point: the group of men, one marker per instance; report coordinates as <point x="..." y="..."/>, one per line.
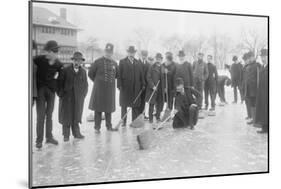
<point x="146" y="82"/>
<point x="251" y="79"/>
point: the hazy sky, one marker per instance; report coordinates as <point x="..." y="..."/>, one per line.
<point x="117" y="25"/>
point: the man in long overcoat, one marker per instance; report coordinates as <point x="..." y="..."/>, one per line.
<point x="170" y="71"/>
<point x="251" y="73"/>
<point x="262" y="94"/>
<point x="73" y="88"/>
<point x="130" y="83"/>
<point x="210" y="88"/>
<point x="155" y="74"/>
<point x="145" y="64"/>
<point x="200" y="73"/>
<point x="103" y="73"/>
<point x="184" y="70"/>
<point x="236" y="70"/>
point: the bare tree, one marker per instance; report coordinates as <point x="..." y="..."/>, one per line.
<point x="173" y="43"/>
<point x="221" y="46"/>
<point x="142" y="37"/>
<point x="194" y="45"/>
<point x="253" y="40"/>
<point x="92" y="46"/>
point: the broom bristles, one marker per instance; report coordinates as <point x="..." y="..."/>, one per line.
<point x="138" y="122"/>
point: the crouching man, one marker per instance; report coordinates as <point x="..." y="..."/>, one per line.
<point x="186" y="107"/>
<point x="73" y="87"/>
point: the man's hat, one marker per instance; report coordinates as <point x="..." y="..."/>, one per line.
<point x="144" y="53"/>
<point x="245" y="56"/>
<point x="264" y="52"/>
<point x="109" y="48"/>
<point x="131" y="49"/>
<point x="77" y="55"/>
<point x="234" y="58"/>
<point x="179" y="81"/>
<point x="51" y="46"/>
<point x="181" y="53"/>
<point x="251" y="53"/>
<point x="168" y="54"/>
<point x="158" y="55"/>
<point x="150" y="59"/>
<point x="200" y="54"/>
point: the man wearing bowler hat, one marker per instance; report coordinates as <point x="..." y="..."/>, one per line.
<point x="73" y="88"/>
<point x="103" y="73"/>
<point x="130" y="83"/>
<point x="262" y="94"/>
<point x="184" y="70"/>
<point x="48" y="69"/>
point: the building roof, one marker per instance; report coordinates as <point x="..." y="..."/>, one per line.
<point x="42" y="16"/>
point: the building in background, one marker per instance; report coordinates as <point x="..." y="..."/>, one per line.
<point x="49" y="26"/>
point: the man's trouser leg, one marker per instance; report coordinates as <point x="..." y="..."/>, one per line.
<point x="235" y="93"/>
<point x="123" y="112"/>
<point x="142" y="102"/>
<point x="108" y="120"/>
<point x="135" y="112"/>
<point x="193" y="115"/>
<point x="150" y="112"/>
<point x="97" y="120"/>
<point x="50" y="99"/>
<point x="213" y="94"/>
<point x="40" y="109"/>
<point x="177" y="122"/>
<point x="248" y="108"/>
<point x="199" y="85"/>
<point x="159" y="108"/>
<point x="66" y="130"/>
<point x="206" y="94"/>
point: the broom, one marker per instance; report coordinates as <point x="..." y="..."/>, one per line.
<point x="139" y="121"/>
<point x="130" y="109"/>
<point x="147" y="137"/>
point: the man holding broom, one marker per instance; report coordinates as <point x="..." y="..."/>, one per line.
<point x="186" y="105"/>
<point x="130" y="83"/>
<point x="155" y="88"/>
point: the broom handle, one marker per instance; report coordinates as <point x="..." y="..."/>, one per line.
<point x="133" y="103"/>
<point x="159" y="126"/>
<point x="166" y="75"/>
<point x="153" y="92"/>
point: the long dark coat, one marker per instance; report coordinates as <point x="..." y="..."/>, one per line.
<point x="262" y="97"/>
<point x="236" y="70"/>
<point x="130" y="82"/>
<point x="170" y="79"/>
<point x="103" y="73"/>
<point x="155" y="73"/>
<point x="185" y="72"/>
<point x="73" y="88"/>
<point x="183" y="102"/>
<point x="251" y="71"/>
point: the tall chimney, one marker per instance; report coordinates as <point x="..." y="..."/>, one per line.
<point x="63" y="13"/>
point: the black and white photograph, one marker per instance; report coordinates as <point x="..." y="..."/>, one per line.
<point x="124" y="94"/>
